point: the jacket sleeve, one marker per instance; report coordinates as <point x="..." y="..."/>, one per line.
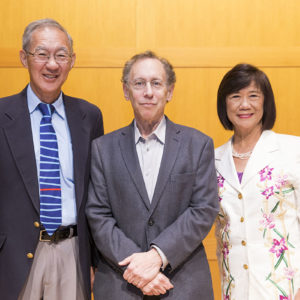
<point x="113" y="244"/>
<point x="186" y="233"/>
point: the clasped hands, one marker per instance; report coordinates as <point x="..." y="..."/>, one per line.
<point x="143" y="271"/>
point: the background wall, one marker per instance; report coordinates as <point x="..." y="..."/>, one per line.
<point x="201" y="38"/>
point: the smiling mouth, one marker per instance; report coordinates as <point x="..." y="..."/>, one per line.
<point x="49" y="76"/>
<point x="246" y="116"/>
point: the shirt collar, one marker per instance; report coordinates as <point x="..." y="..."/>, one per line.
<point x="33" y="101"/>
<point x="159" y="132"/>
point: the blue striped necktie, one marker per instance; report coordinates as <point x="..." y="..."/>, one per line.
<point x="50" y="188"/>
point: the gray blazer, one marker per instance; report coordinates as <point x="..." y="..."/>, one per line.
<point x="181" y="213"/>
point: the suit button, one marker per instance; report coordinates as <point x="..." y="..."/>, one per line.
<point x="36" y="224"/>
<point x="29" y="255"/>
<point x="150" y="222"/>
<point x="242" y="219"/>
<point x="243" y="243"/>
<point x="240" y="196"/>
<point x="245" y="266"/>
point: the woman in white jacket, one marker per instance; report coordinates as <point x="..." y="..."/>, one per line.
<point x="258" y="170"/>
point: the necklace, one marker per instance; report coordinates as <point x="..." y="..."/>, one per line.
<point x="245" y="155"/>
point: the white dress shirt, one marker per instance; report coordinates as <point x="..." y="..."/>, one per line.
<point x="150" y="151"/>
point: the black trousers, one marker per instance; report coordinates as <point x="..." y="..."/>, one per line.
<point x="151" y="298"/>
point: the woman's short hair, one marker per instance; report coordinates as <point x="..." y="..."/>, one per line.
<point x="240" y="77"/>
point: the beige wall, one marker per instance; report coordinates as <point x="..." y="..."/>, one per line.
<point x="202" y="38"/>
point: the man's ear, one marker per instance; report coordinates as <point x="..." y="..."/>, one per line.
<point x="23" y="58"/>
<point x="170" y="92"/>
<point x="126" y="91"/>
<point x="73" y="58"/>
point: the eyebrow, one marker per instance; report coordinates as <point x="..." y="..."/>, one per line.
<point x="251" y="91"/>
<point x="141" y="78"/>
<point x="59" y="49"/>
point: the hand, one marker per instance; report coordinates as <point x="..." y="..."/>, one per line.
<point x="158" y="286"/>
<point x="142" y="267"/>
<point x="297" y="297"/>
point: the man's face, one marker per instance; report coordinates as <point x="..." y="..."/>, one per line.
<point x="147" y="90"/>
<point x="47" y="78"/>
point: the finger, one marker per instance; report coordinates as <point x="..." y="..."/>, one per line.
<point x="155" y="292"/>
<point x="168" y="285"/>
<point x="145" y="291"/>
<point x="160" y="289"/>
<point x="125" y="261"/>
<point x="140" y="284"/>
<point x="164" y="281"/>
<point x="127" y="275"/>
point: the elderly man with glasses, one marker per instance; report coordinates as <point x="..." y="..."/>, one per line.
<point x="153" y="196"/>
<point x="44" y="160"/>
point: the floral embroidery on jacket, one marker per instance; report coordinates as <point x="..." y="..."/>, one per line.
<point x="224" y="245"/>
<point x="275" y="196"/>
<point x="274" y="229"/>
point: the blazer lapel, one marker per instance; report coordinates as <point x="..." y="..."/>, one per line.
<point x="17" y="128"/>
<point x="170" y="153"/>
<point x="263" y="154"/>
<point x="129" y="154"/>
<point x="225" y="165"/>
<point x="80" y="145"/>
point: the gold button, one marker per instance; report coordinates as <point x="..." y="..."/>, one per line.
<point x="36" y="224"/>
<point x="240" y="196"/>
<point x="242" y="219"/>
<point x="29" y="255"/>
<point x="245" y="266"/>
<point x="243" y="243"/>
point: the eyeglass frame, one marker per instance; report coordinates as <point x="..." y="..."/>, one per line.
<point x="36" y="58"/>
<point x="143" y="87"/>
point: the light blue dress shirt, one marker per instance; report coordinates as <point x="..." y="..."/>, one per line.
<point x="60" y="125"/>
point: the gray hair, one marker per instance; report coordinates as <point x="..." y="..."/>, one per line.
<point x="171" y="76"/>
<point x="35" y="25"/>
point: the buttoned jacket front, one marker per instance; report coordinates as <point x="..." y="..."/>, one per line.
<point x="258" y="225"/>
<point x="19" y="186"/>
<point x="182" y="210"/>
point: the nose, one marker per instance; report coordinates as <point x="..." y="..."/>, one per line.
<point x="148" y="90"/>
<point x="245" y="102"/>
<point x="51" y="63"/>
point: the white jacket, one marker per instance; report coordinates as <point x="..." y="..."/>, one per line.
<point x="258" y="230"/>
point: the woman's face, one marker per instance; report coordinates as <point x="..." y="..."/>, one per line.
<point x="245" y="109"/>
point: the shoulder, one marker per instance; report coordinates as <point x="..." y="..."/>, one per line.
<point x="286" y="138"/>
<point x="114" y="136"/>
<point x="221" y="149"/>
<point x="81" y="104"/>
<point x="289" y="144"/>
<point x="189" y="133"/>
<point x="12" y="99"/>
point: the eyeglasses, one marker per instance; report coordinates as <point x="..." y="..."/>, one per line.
<point x="141" y="84"/>
<point x="42" y="56"/>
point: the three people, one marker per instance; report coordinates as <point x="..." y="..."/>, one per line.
<point x="153" y="196"/>
<point x="45" y="160"/>
<point x="258" y="173"/>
